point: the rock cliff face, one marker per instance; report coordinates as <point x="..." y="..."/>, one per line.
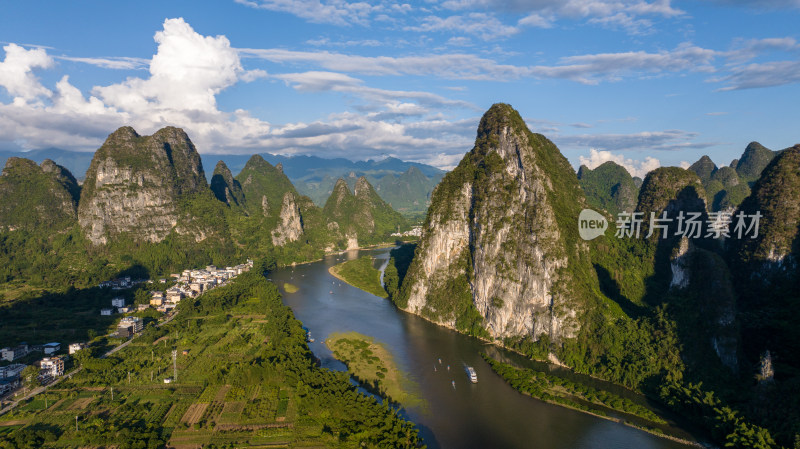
<point x="34" y="197"/>
<point x="134" y="183"/>
<point x="499" y="247"/>
<point x="225" y="188"/>
<point x="290" y="224"/>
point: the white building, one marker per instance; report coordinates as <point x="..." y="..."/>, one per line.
<point x="52" y="366"/>
<point x="133" y="321"/>
<point x="75" y="347"/>
<point x="106" y="312"/>
<point x="119" y="301"/>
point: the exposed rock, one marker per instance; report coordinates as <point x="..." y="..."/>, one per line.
<point x="134" y="183"/>
<point x="494" y="248"/>
<point x="290" y="223"/>
<point x="680" y="266"/>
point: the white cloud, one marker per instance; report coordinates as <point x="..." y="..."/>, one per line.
<point x="315" y="81"/>
<point x="614" y="14"/>
<point x="669" y="140"/>
<point x="634" y="167"/>
<point x="451" y="65"/>
<point x="593" y="68"/>
<point x="480" y="24"/>
<point x="185" y="74"/>
<point x="111" y="63"/>
<point x="759" y="75"/>
<point x="587" y="69"/>
<point x="337" y="12"/>
<point x="16" y="72"/>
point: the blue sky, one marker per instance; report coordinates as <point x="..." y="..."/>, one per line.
<point x="645" y="83"/>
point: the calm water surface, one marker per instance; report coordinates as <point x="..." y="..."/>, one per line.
<point x="489" y="414"/>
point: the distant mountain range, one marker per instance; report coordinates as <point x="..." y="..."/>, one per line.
<point x="406" y="186"/>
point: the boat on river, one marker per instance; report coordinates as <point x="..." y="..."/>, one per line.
<point x="473" y="377"/>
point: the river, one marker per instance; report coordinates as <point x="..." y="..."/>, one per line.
<point x="489" y="414"/>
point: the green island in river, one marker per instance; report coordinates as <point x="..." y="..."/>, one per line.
<point x="373" y="365"/>
<point x="360" y="274"/>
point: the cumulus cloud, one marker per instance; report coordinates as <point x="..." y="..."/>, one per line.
<point x="635" y="167"/>
<point x="186" y="74"/>
<point x="17" y="72"/>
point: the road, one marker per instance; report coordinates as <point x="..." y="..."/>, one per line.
<point x="41" y="389"/>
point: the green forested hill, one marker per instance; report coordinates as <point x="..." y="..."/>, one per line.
<point x="245" y="377"/>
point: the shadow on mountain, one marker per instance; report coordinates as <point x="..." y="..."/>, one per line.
<point x="611" y="289"/>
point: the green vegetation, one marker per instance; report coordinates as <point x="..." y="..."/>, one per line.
<point x="753" y="161"/>
<point x="360" y="274"/>
<point x="373" y="365"/>
<point x="550" y="388"/>
<point x="246" y="378"/>
<point x="609" y="187"/>
<point x="362" y="214"/>
<point x="36" y="197"/>
<point x="395" y="272"/>
<point x="290" y="288"/>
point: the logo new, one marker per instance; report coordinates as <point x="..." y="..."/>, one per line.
<point x="591" y="224"/>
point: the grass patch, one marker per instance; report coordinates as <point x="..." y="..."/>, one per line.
<point x="290" y="288"/>
<point x="372" y="364"/>
<point x="360" y="274"/>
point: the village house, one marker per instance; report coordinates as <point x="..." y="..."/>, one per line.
<point x="141" y="307"/>
<point x="51" y="367"/>
<point x="50" y="348"/>
<point x="75" y="347"/>
<point x="12" y="371"/>
<point x="124" y="309"/>
<point x="119" y="301"/>
<point x="129" y="325"/>
<point x="157" y="299"/>
<point x="106" y="312"/>
<point x="15" y="353"/>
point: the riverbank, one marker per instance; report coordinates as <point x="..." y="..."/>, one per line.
<point x="372" y="364"/>
<point x="565" y="393"/>
<point x="360" y="274"/>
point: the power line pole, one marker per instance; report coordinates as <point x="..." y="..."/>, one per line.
<point x="175" y="364"/>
